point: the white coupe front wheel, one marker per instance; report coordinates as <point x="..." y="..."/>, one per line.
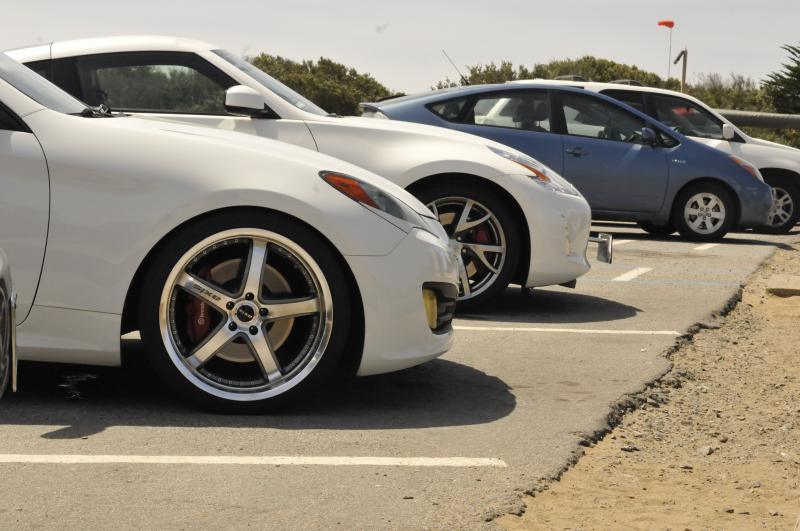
<point x="244" y="317"/>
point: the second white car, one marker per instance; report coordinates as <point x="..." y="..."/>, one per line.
<point x="512" y="220"/>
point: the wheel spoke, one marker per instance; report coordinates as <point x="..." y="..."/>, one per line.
<point x="265" y="356"/>
<point x="202" y="290"/>
<point x="464" y="277"/>
<point x="289" y="308"/>
<point x="255" y="267"/>
<point x="481" y="250"/>
<point x="210" y="348"/>
<point x="716" y="215"/>
<point x="462" y="220"/>
<point x="434" y="209"/>
<point x="467" y="225"/>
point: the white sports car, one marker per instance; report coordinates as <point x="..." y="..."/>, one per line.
<point x="513" y="220"/>
<point x="253" y="269"/>
<point x="8" y="359"/>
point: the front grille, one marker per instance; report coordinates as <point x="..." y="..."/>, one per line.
<point x="446" y="298"/>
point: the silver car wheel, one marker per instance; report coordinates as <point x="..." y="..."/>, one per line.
<point x="476" y="233"/>
<point x="246" y="314"/>
<point x="782" y="207"/>
<point x="704" y="213"/>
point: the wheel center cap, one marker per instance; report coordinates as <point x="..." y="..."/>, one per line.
<point x="245" y="313"/>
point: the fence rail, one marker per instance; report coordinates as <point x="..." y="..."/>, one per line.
<point x="762" y="119"/>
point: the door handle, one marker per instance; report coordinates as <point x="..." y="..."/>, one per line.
<point x="577" y="152"/>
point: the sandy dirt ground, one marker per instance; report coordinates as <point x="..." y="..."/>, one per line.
<point x="714" y="445"/>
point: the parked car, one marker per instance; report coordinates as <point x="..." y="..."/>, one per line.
<point x="255" y="270"/>
<point x="512" y="220"/>
<point x="8" y="358"/>
<point x="779" y="164"/>
<point x="628" y="166"/>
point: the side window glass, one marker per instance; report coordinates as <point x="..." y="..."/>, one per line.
<point x="686" y="117"/>
<point x="141" y="83"/>
<point x="449" y="110"/>
<point x="9" y="122"/>
<point x="529" y="111"/>
<point x="596" y="118"/>
<point x="40" y="67"/>
<point x="631" y="97"/>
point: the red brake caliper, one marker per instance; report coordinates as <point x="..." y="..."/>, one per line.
<point x="198" y="322"/>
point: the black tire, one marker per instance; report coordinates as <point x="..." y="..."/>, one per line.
<point x="174" y="249"/>
<point x="787" y="193"/>
<point x="657" y="230"/>
<point x="725" y="206"/>
<point x="5" y="340"/>
<point x="487" y="199"/>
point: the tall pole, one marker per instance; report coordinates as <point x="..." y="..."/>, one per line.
<point x="669" y="55"/>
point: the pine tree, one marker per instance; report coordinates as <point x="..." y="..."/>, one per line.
<point x="784" y="85"/>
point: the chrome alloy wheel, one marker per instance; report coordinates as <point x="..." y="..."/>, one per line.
<point x="782" y="207"/>
<point x="246" y="314"/>
<point x="704" y="213"/>
<point x="476" y="234"/>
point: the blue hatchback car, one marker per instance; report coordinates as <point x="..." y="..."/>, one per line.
<point x="627" y="165"/>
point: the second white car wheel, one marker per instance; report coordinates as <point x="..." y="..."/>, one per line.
<point x="484" y="232"/>
<point x="238" y="311"/>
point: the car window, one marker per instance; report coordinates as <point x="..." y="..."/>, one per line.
<point x="449" y="110"/>
<point x="9" y="122"/>
<point x="632" y="97"/>
<point x="686" y="117"/>
<point x="40" y="90"/>
<point x="40" y="67"/>
<point x="597" y="118"/>
<point x="529" y="111"/>
<point x="156" y="82"/>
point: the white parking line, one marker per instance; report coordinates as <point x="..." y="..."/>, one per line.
<point x="460" y="462"/>
<point x="630" y="275"/>
<point x="705" y="246"/>
<point x="621" y="242"/>
<point x="568" y="330"/>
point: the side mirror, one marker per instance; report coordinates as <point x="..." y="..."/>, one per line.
<point x="728" y="132"/>
<point x="244" y="101"/>
<point x="649" y="137"/>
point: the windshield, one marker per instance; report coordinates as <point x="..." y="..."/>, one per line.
<point x="271" y="83"/>
<point x="37" y="88"/>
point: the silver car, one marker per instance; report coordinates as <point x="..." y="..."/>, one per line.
<point x="8" y="358"/>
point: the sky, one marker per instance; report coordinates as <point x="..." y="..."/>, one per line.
<point x="400" y="43"/>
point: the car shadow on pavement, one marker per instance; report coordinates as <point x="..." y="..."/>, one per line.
<point x="84" y="401"/>
<point x="550" y="306"/>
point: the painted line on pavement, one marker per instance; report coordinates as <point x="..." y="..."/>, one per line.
<point x="708" y="283"/>
<point x="630" y="275"/>
<point x="567" y="330"/>
<point x="459" y="462"/>
<point x="706" y="246"/>
<point x="621" y="242"/>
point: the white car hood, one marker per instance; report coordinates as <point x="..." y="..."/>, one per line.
<point x="315" y="160"/>
<point x="767" y="143"/>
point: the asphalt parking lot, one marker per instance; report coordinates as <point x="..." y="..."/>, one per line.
<point x="448" y="444"/>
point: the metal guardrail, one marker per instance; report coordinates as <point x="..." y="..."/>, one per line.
<point x="762" y="119"/>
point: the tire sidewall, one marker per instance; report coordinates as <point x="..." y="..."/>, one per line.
<point x="728" y="200"/>
<point x="178" y="243"/>
<point x="490" y="200"/>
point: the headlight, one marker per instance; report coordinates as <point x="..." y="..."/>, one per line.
<point x="377" y="200"/>
<point x="539" y="172"/>
<point x="752" y="170"/>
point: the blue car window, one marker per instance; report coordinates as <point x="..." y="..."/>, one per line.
<point x="449" y="110"/>
<point x="529" y="111"/>
<point x="596" y="118"/>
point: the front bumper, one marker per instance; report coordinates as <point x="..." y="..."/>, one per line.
<point x="755" y="203"/>
<point x="396" y="330"/>
<point x="559" y="230"/>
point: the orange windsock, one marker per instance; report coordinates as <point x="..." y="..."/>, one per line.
<point x="668" y="23"/>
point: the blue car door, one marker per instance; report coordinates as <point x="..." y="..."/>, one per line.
<point x="517" y="118"/>
<point x="606" y="159"/>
